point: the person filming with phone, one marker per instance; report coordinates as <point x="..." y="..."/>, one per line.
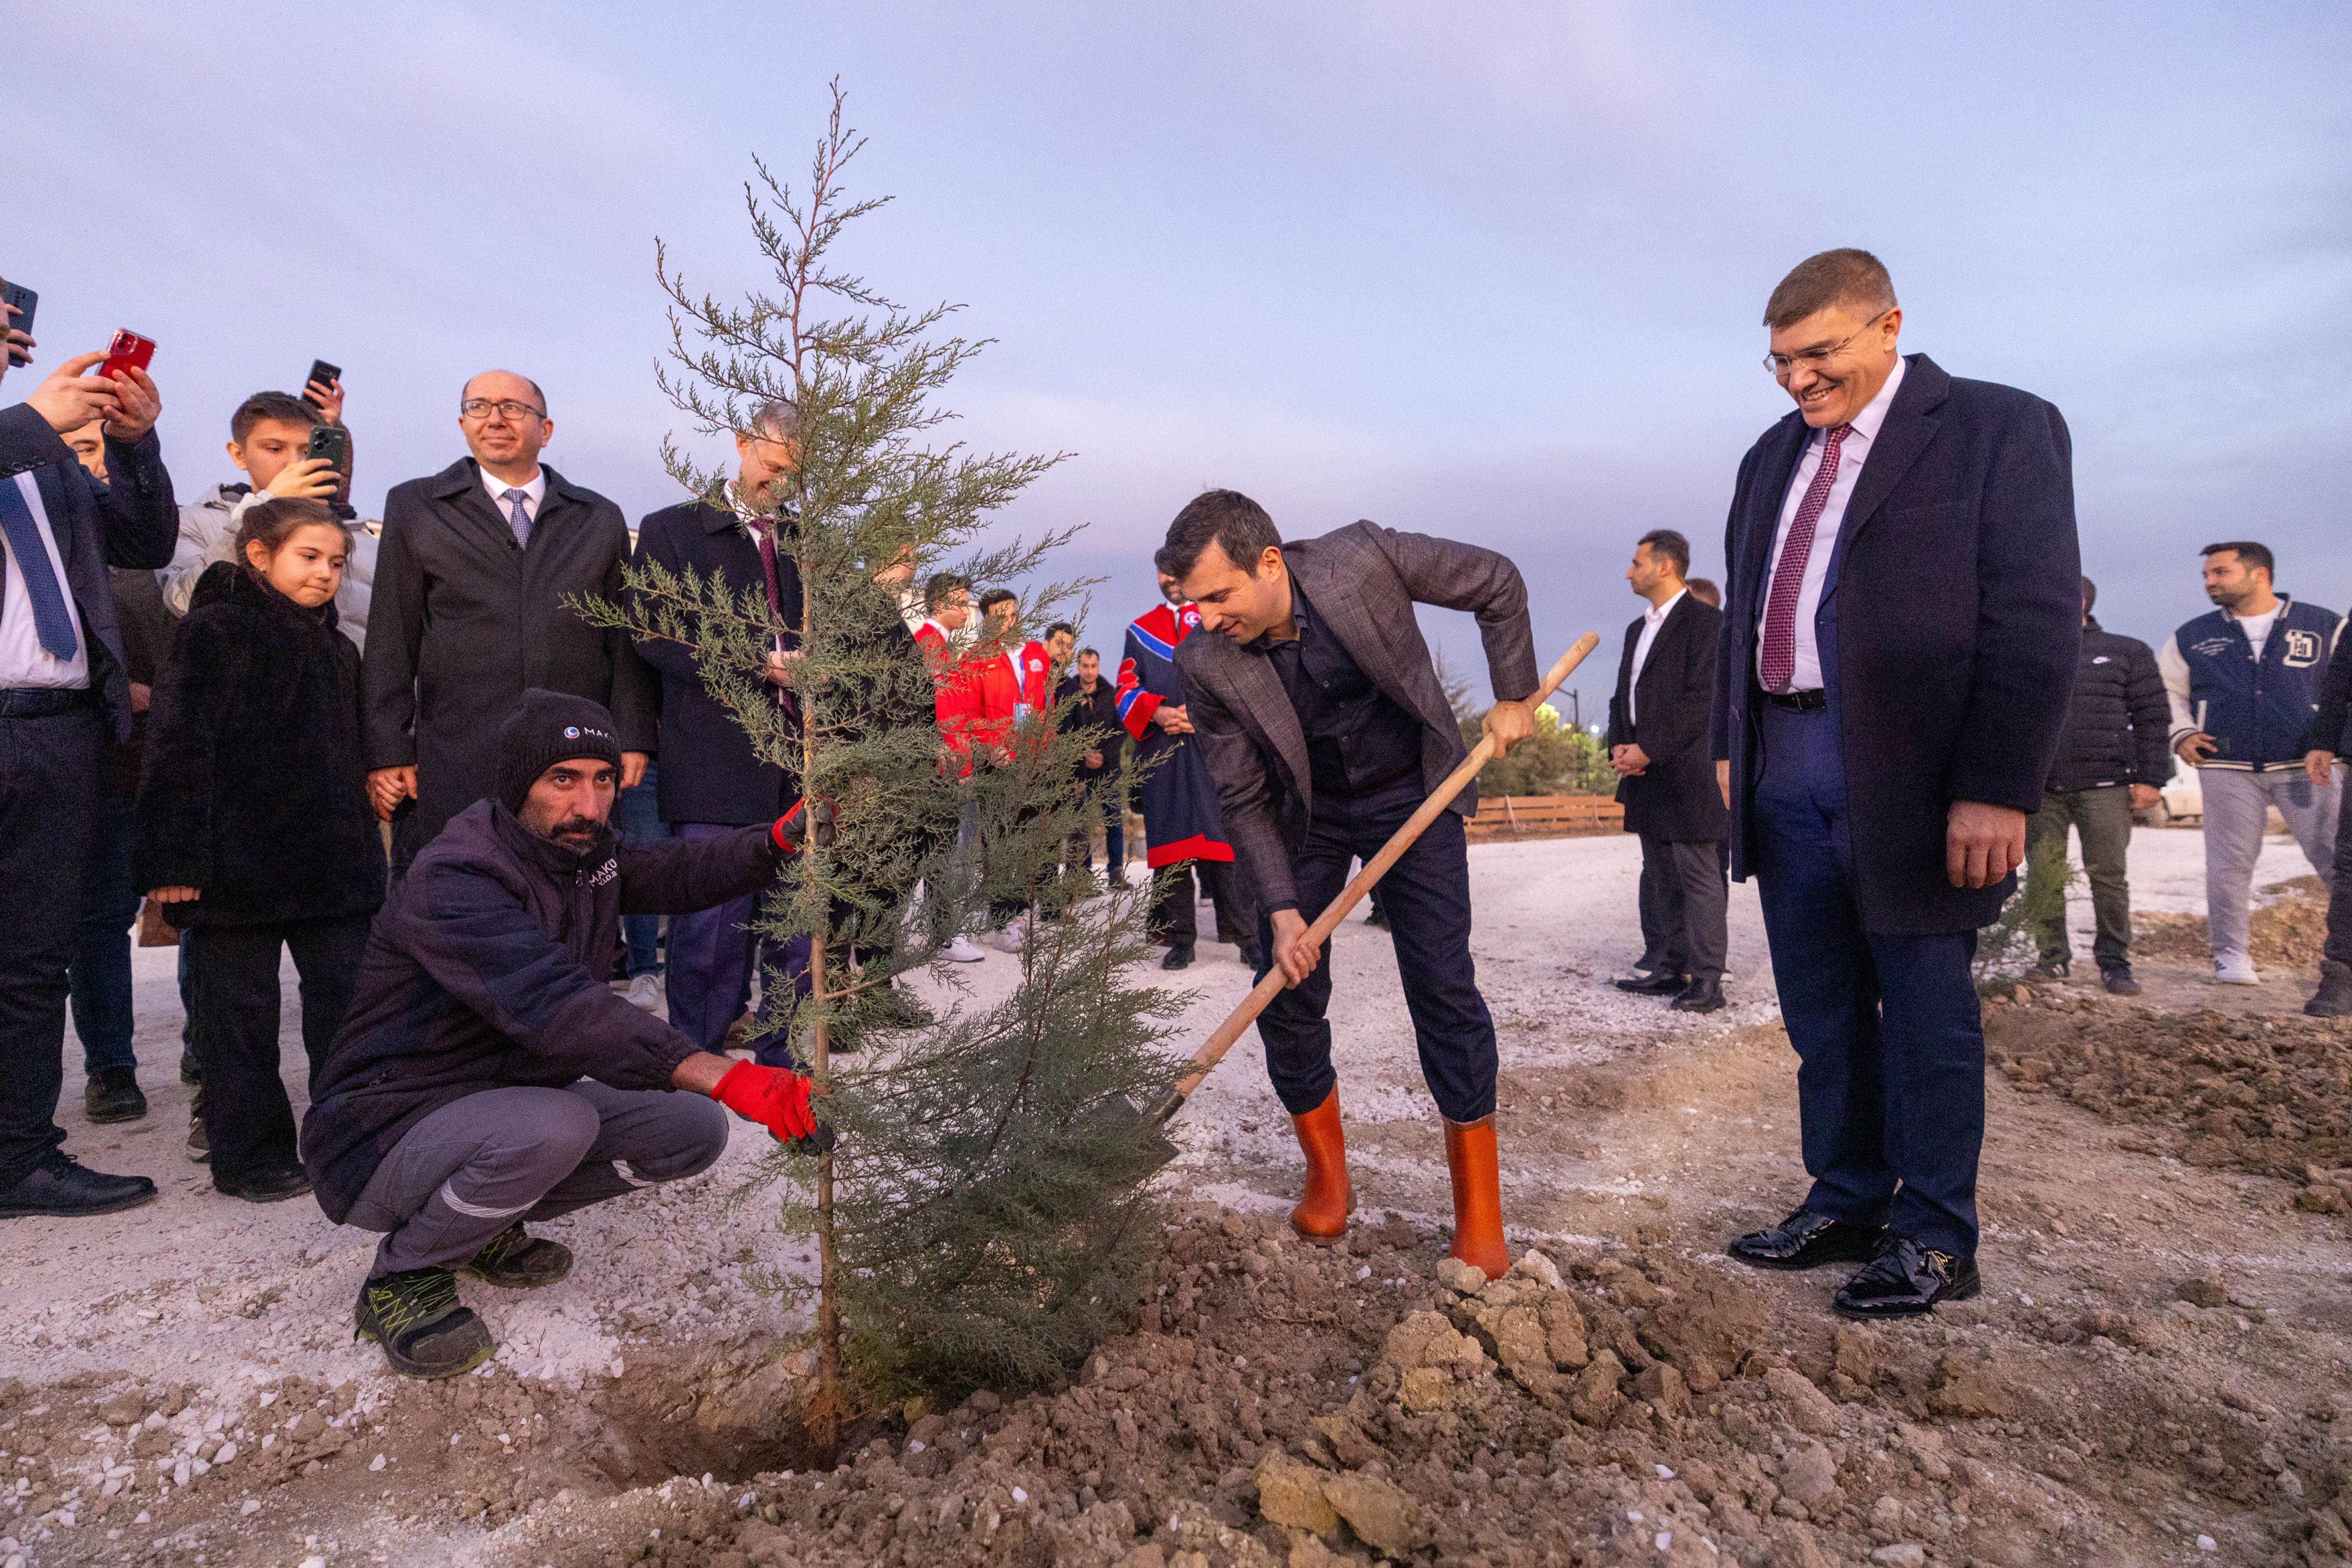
<point x="65" y="701"/>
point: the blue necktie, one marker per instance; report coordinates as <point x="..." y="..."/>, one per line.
<point x="518" y="518"/>
<point x="51" y="617"/>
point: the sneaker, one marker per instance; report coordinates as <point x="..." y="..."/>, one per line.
<point x="270" y="1184"/>
<point x="2048" y="971"/>
<point x="200" y="1143"/>
<point x="518" y="1260"/>
<point x="2117" y="978"/>
<point x="962" y="951"/>
<point x="112" y="1095"/>
<point x="645" y="991"/>
<point x="416" y="1316"/>
<point x="1004" y="939"/>
<point x="2235" y="969"/>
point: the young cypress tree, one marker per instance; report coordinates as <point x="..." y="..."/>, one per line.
<point x="983" y="1216"/>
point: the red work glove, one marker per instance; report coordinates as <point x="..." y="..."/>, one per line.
<point x="776" y="1099"/>
<point x="792" y="829"/>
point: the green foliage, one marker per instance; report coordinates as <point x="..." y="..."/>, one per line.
<point x="1557" y="759"/>
<point x="983" y="1218"/>
<point x="2012" y="944"/>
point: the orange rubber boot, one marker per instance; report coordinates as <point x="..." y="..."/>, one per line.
<point x="1477" y="1197"/>
<point x="1321" y="1215"/>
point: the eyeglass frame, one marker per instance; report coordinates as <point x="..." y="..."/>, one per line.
<point x="1821" y="356"/>
<point x="505" y="405"/>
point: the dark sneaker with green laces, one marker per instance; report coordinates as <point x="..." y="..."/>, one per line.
<point x="520" y="1262"/>
<point x="414" y="1315"/>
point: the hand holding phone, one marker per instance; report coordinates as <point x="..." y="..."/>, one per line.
<point x="332" y="444"/>
<point x="17" y="322"/>
<point x="128" y="352"/>
<point x="323" y="390"/>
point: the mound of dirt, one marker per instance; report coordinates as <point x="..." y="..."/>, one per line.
<point x="2287" y="932"/>
<point x="2269" y="1095"/>
<point x="1286" y="1404"/>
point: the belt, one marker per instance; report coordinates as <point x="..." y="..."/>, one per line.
<point x="42" y="702"/>
<point x="1813" y="701"/>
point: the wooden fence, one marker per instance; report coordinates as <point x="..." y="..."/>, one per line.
<point x="1545" y="817"/>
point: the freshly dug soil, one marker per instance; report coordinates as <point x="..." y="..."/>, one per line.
<point x="2287" y="932"/>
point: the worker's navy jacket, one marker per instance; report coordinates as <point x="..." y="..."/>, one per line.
<point x="2259" y="713"/>
<point x="490" y="967"/>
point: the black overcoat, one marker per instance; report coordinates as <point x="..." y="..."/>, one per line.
<point x="1675" y="798"/>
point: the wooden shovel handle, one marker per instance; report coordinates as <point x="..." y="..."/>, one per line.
<point x="1220" y="1040"/>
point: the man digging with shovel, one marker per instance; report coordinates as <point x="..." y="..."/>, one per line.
<point x="1319" y="713"/>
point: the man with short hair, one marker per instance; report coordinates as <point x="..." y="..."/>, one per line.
<point x="64" y="702"/>
<point x="472" y="574"/>
<point x="1657" y="745"/>
<point x="1901" y="630"/>
<point x="942" y="637"/>
<point x="1061" y="644"/>
<point x="1011" y="680"/>
<point x="2112" y="757"/>
<point x="487" y="1074"/>
<point x="1094" y="713"/>
<point x="1324" y="722"/>
<point x="2243" y="684"/>
<point x="1704" y="590"/>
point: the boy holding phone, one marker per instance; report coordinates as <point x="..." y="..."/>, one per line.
<point x="270" y="442"/>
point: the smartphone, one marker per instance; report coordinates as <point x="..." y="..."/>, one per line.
<point x="128" y="351"/>
<point x="331" y="442"/>
<point x="325" y="374"/>
<point x="23" y="299"/>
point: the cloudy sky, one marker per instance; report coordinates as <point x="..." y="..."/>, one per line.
<point x="1492" y="272"/>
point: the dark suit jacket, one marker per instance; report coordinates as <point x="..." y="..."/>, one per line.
<point x="464" y="621"/>
<point x="1948" y="628"/>
<point x="131" y="522"/>
<point x="1675" y="798"/>
<point x="1364" y="581"/>
<point x="710" y="773"/>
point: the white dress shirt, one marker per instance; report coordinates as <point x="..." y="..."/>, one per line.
<point x="533" y="492"/>
<point x="1652" y="619"/>
<point x="23" y="661"/>
<point x="1805" y="674"/>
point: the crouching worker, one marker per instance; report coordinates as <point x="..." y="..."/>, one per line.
<point x="487" y="1074"/>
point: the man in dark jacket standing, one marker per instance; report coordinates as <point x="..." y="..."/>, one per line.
<point x="64" y="702"/>
<point x="487" y="1073"/>
<point x="1096" y="714"/>
<point x="2112" y="759"/>
<point x="1889" y="691"/>
<point x="470" y="579"/>
<point x="1657" y="744"/>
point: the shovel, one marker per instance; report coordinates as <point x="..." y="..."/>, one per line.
<point x="1213" y="1049"/>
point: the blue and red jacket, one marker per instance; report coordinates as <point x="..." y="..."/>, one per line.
<point x="1180" y="798"/>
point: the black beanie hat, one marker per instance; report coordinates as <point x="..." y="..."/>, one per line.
<point x="545" y="728"/>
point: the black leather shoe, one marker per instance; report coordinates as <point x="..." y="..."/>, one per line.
<point x="1807" y="1239"/>
<point x="1665" y="983"/>
<point x="1905" y="1281"/>
<point x="1700" y="997"/>
<point x="2117" y="978"/>
<point x="270" y="1184"/>
<point x="2334" y="998"/>
<point x="190" y="1072"/>
<point x="1178" y="957"/>
<point x="112" y="1096"/>
<point x="58" y="1188"/>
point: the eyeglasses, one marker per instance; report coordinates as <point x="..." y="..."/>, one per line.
<point x="480" y="407"/>
<point x="1783" y="366"/>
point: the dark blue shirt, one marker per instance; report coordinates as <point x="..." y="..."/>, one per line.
<point x="1360" y="742"/>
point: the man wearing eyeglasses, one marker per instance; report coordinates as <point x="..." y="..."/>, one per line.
<point x="1890" y="689"/>
<point x="472" y="573"/>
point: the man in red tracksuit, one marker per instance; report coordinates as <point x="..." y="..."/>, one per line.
<point x="1009" y="683"/>
<point x="956" y="703"/>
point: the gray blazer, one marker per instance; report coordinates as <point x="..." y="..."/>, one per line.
<point x="1364" y="581"/>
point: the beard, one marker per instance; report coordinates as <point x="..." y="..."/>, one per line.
<point x="573" y="833"/>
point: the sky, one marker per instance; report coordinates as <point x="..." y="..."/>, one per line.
<point x="1494" y="273"/>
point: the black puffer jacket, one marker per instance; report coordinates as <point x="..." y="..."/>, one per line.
<point x="253" y="789"/>
<point x="2116" y="728"/>
<point x="488" y="968"/>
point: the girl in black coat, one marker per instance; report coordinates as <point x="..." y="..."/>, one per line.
<point x="255" y="830"/>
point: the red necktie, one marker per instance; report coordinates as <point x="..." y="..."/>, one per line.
<point x="1779" y="660"/>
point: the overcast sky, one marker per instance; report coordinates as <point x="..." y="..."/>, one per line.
<point x="1493" y="272"/>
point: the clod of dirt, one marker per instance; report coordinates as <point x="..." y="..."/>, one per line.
<point x="1807" y="1474"/>
<point x="2204" y="1290"/>
<point x="1806" y="1408"/>
<point x="1291" y="1494"/>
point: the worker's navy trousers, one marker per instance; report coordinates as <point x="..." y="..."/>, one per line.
<point x="1890" y="1044"/>
<point x="1427" y="898"/>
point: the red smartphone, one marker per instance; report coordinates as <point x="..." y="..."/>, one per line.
<point x="128" y="351"/>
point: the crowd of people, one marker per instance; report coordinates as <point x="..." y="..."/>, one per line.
<point x="515" y="857"/>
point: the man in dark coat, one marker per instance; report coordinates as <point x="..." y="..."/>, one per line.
<point x="65" y="701"/>
<point x="487" y="1074"/>
<point x="1657" y="744"/>
<point x="1096" y="715"/>
<point x="2112" y="760"/>
<point x="1890" y="686"/>
<point x="471" y="576"/>
<point x="1319" y="712"/>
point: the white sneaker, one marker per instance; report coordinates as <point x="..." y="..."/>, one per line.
<point x="645" y="991"/>
<point x="962" y="951"/>
<point x="2235" y="969"/>
<point x="1004" y="938"/>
